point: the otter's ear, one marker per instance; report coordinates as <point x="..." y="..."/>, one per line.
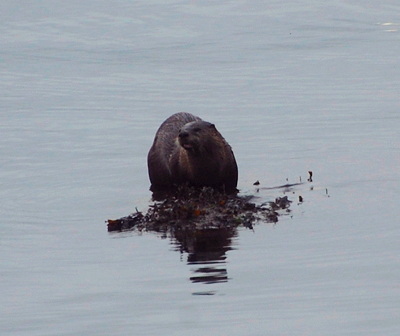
<point x="212" y="126"/>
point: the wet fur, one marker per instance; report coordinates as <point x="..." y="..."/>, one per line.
<point x="188" y="150"/>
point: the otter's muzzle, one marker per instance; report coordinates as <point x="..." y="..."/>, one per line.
<point x="184" y="140"/>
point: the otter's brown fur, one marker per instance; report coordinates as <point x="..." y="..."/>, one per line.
<point x="188" y="150"/>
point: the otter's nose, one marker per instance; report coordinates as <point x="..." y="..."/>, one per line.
<point x="183" y="134"/>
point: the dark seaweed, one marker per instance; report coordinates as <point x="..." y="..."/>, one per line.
<point x="193" y="209"/>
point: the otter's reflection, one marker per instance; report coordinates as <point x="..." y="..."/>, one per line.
<point x="206" y="249"/>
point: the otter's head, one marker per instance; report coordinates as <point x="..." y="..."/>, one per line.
<point x="194" y="136"/>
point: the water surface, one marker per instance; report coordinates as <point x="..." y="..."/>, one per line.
<point x="293" y="88"/>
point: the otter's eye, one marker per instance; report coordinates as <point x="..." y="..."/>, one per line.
<point x="197" y="129"/>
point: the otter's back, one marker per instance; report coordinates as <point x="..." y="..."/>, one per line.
<point x="163" y="145"/>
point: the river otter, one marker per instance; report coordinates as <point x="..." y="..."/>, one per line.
<point x="188" y="150"/>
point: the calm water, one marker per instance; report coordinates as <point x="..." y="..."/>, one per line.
<point x="293" y="87"/>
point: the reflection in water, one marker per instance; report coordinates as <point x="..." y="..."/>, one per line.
<point x="202" y="223"/>
<point x="206" y="249"/>
<point x="210" y="275"/>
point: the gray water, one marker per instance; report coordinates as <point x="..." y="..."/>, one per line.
<point x="293" y="87"/>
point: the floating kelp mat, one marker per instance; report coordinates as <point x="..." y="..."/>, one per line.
<point x="191" y="208"/>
